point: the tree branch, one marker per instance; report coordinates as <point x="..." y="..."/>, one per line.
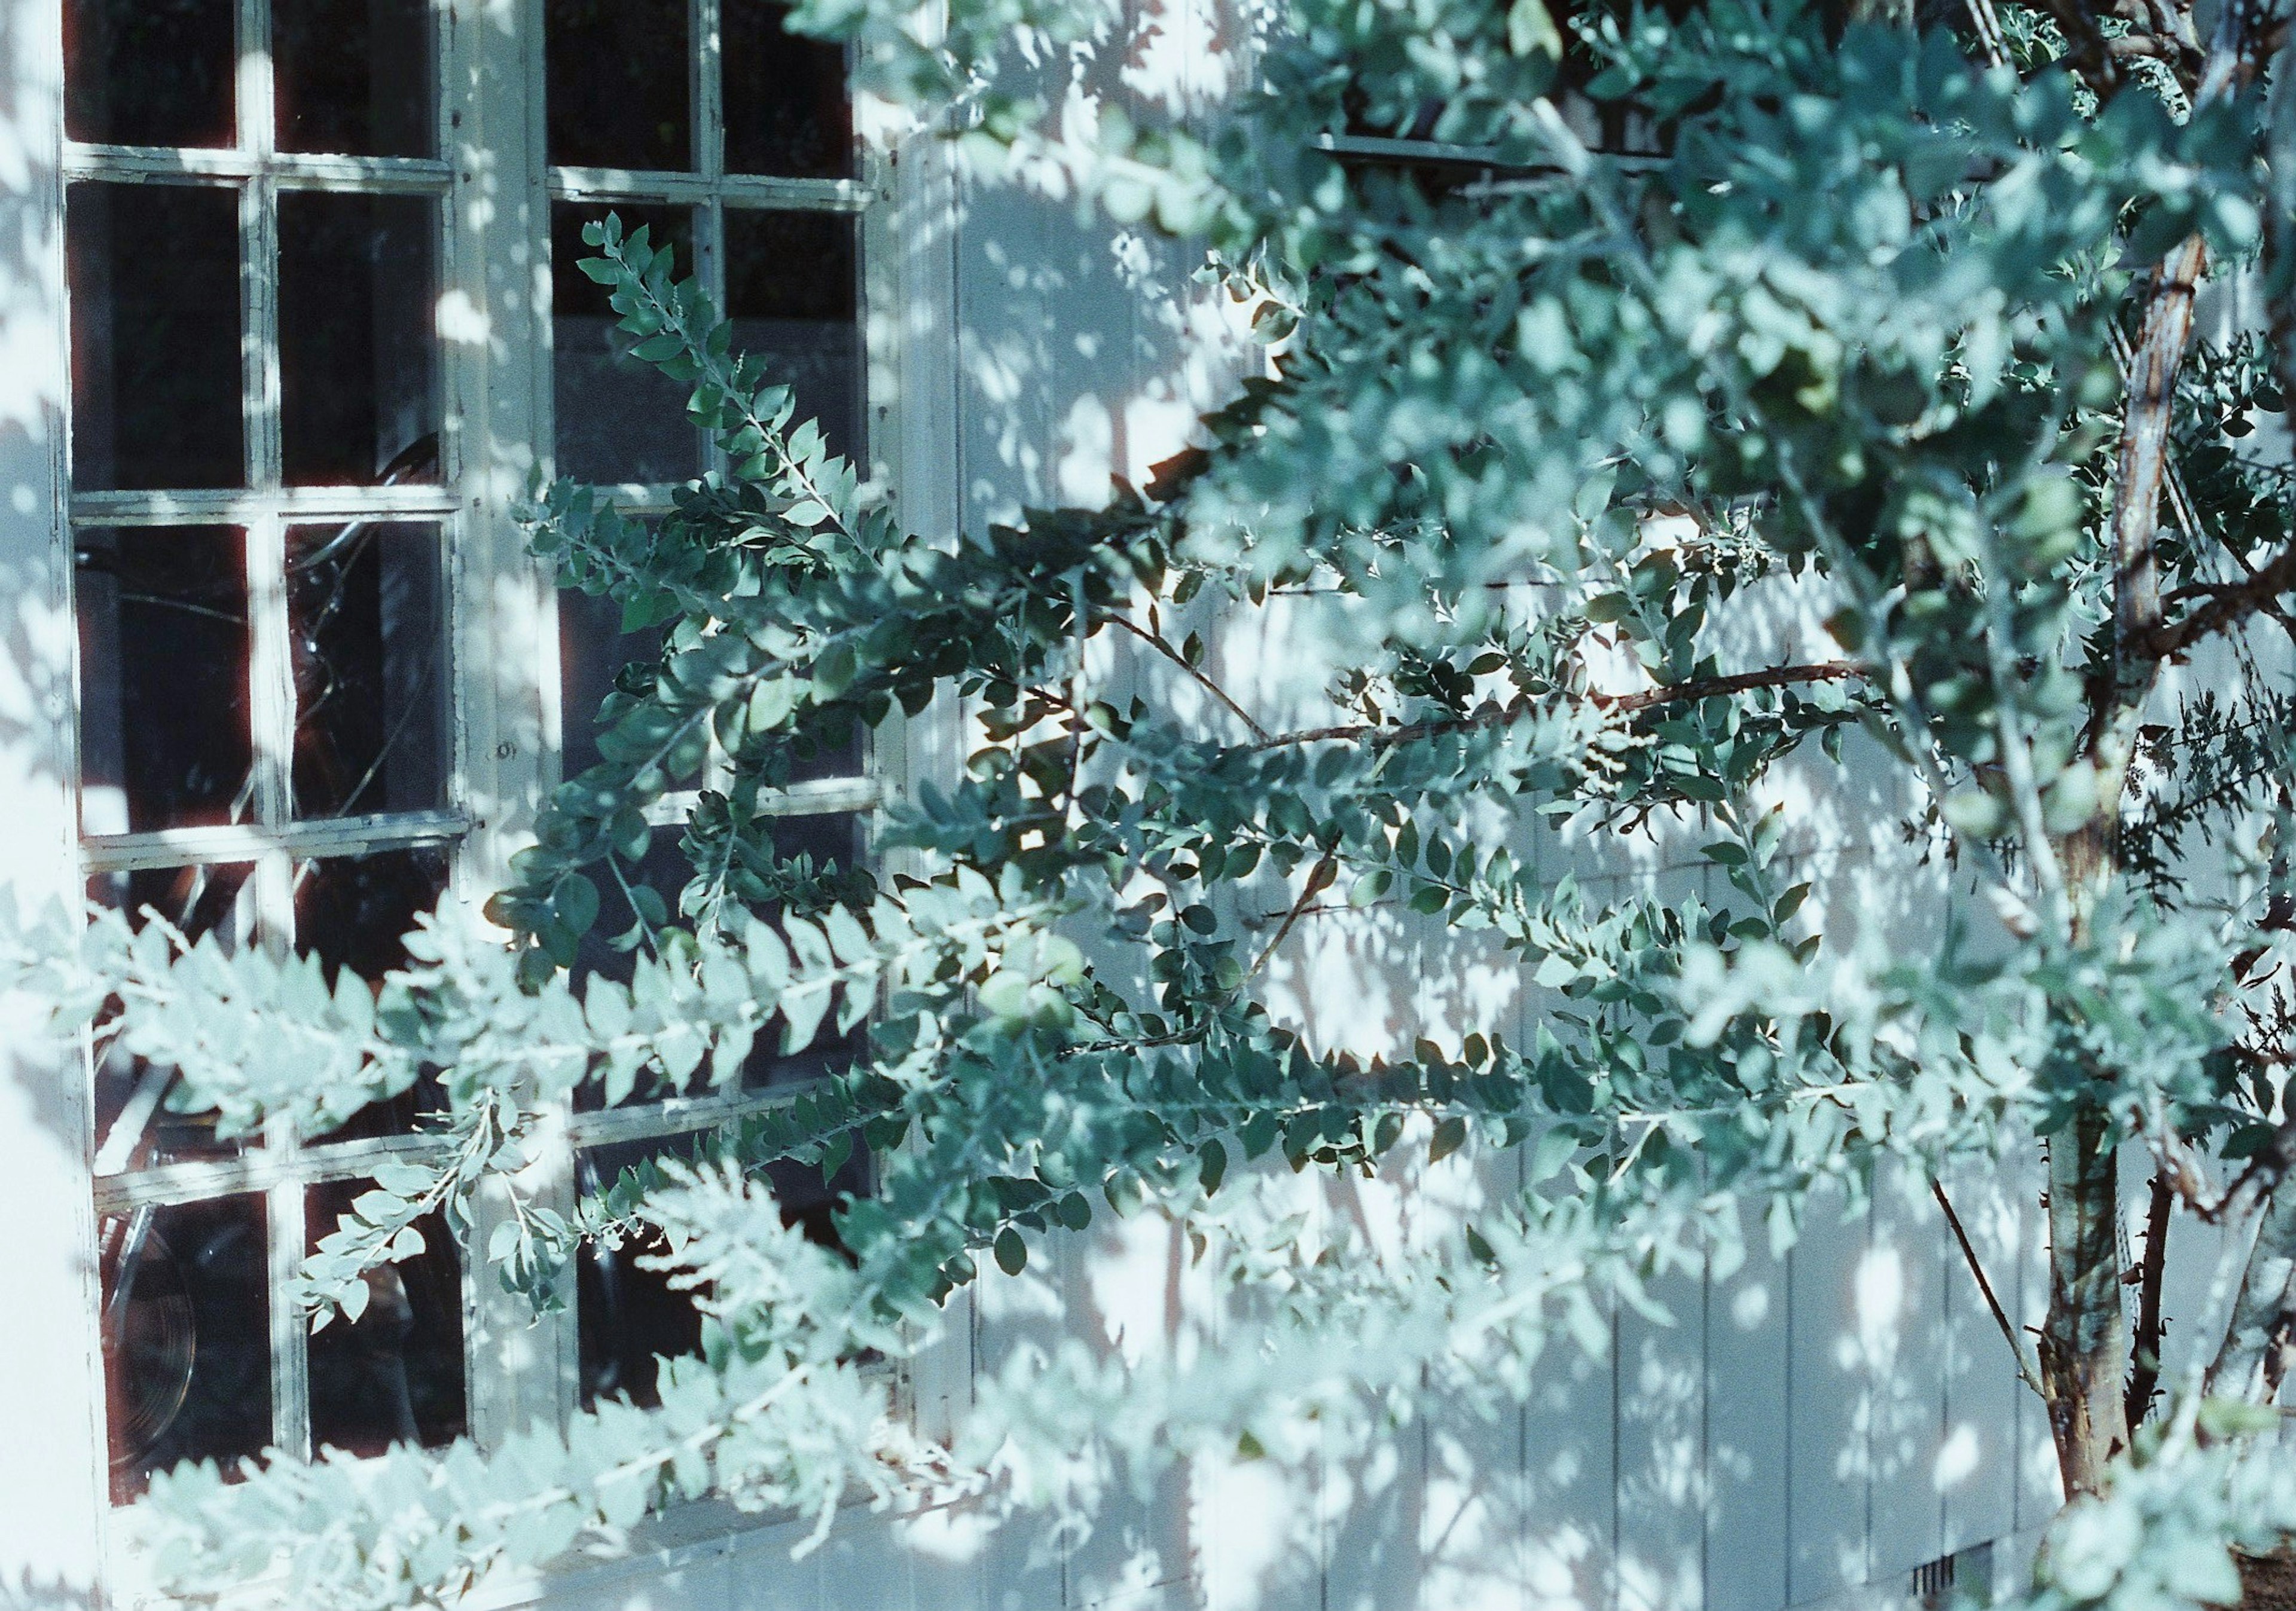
<point x="1157" y="641"/>
<point x="1613" y="704"/>
<point x="2145" y="1346"/>
<point x="2229" y="603"/>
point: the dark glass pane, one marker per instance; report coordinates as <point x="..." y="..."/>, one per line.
<point x="620" y="83"/>
<point x="827" y="849"/>
<point x="357" y="280"/>
<point x="163" y="724"/>
<point x="828" y="755"/>
<point x="367" y="613"/>
<point x="394" y="1375"/>
<point x="787" y="110"/>
<point x="134" y="1127"/>
<point x="618" y="419"/>
<point x="187" y="1337"/>
<point x="354" y="76"/>
<point x="593" y="651"/>
<point x="154" y="272"/>
<point x="792" y="291"/>
<point x="354" y="911"/>
<point x="664" y="869"/>
<point x="148" y="72"/>
<point x="629" y="1318"/>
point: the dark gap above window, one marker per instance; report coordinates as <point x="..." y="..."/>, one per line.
<point x="155" y="336"/>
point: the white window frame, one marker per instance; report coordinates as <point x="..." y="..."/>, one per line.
<point x="494" y="356"/>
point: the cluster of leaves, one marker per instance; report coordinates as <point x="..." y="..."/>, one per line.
<point x="1588" y="445"/>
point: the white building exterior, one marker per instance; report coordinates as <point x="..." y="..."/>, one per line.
<point x="1809" y="1431"/>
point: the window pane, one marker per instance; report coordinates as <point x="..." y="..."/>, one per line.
<point x="154" y="273"/>
<point x="134" y="1128"/>
<point x="187" y="1337"/>
<point x="825" y="849"/>
<point x="163" y="724"/>
<point x="394" y="1375"/>
<point x="148" y="72"/>
<point x="354" y="76"/>
<point x="355" y="911"/>
<point x="785" y="107"/>
<point x="618" y="419"/>
<point x="629" y="1318"/>
<point x="357" y="280"/>
<point x="792" y="291"/>
<point x="620" y="83"/>
<point x="665" y="869"/>
<point x="367" y="617"/>
<point x="592" y="652"/>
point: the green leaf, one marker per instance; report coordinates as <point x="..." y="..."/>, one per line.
<point x="1450" y="1135"/>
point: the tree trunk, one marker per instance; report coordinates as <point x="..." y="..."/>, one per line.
<point x="2085" y="1340"/>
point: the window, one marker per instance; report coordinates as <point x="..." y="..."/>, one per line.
<point x="319" y="684"/>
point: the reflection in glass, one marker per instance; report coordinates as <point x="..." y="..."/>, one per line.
<point x="134" y="1127"/>
<point x="787" y="110"/>
<point x="148" y="72"/>
<point x="792" y="292"/>
<point x="618" y="419"/>
<point x="354" y="911"/>
<point x="366" y="620"/>
<point x="154" y="273"/>
<point x="354" y="76"/>
<point x="163" y="713"/>
<point x="186" y="1336"/>
<point x="394" y="1375"/>
<point x="357" y="279"/>
<point x="594" y="653"/>
<point x="619" y="83"/>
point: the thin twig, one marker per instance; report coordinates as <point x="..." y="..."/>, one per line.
<point x="1610" y="703"/>
<point x="1985" y="1285"/>
<point x="1156" y="640"/>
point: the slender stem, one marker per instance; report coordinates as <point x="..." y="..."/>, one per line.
<point x="2025" y="1371"/>
<point x="2151" y="1326"/>
<point x="1610" y="703"/>
<point x="1157" y="641"/>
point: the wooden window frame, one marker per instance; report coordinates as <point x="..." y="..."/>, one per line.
<point x="494" y="189"/>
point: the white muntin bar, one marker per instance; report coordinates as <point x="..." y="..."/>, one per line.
<point x="164" y="164"/>
<point x="233" y="506"/>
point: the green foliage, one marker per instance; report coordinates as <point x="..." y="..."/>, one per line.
<point x="1699" y="411"/>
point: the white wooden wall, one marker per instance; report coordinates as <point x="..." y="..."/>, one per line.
<point x="1804" y="1434"/>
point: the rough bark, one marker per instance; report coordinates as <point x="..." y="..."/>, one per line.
<point x="2085" y="1339"/>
